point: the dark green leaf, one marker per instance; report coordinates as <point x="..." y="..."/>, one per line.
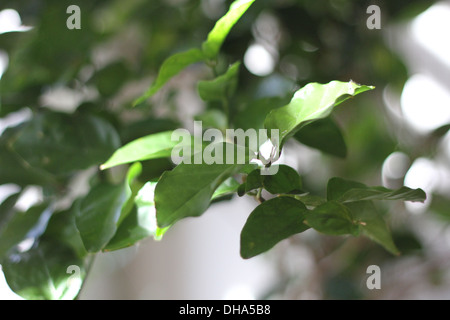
<point x="311" y="200"/>
<point x="372" y="224"/>
<point x="98" y="213"/>
<point x="213" y="119"/>
<point x="216" y="37"/>
<point x="61" y="143"/>
<point x="221" y="87"/>
<point x="310" y="103"/>
<point x="324" y="135"/>
<point x="332" y="218"/>
<point x="45" y="272"/>
<point x="272" y="221"/>
<point x="252" y="117"/>
<point x="109" y="79"/>
<point x="170" y="68"/>
<point x="62" y="229"/>
<point x="348" y="191"/>
<point x="286" y="180"/>
<point x="17" y="226"/>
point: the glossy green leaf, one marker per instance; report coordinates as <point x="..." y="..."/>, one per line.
<point x="157" y="145"/>
<point x="140" y="223"/>
<point x="324" y="135"/>
<point x="216" y="37"/>
<point x="61" y="143"/>
<point x="50" y="271"/>
<point x="311" y="200"/>
<point x="221" y="87"/>
<point x="18" y="226"/>
<point x="170" y="68"/>
<point x="310" y="103"/>
<point x="254" y="180"/>
<point x="332" y="218"/>
<point x="348" y="191"/>
<point x="286" y="180"/>
<point x="227" y="187"/>
<point x="187" y="190"/>
<point x="131" y="188"/>
<point x="271" y="222"/>
<point x="372" y="224"/>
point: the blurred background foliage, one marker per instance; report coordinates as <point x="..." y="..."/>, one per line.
<point x="66" y="99"/>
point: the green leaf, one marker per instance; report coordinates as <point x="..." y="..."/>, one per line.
<point x="310" y="200"/>
<point x="62" y="229"/>
<point x="272" y="221"/>
<point x="216" y="37"/>
<point x="372" y="224"/>
<point x="17" y="226"/>
<point x="97" y="215"/>
<point x="158" y="145"/>
<point x="221" y="87"/>
<point x="324" y="135"/>
<point x="187" y="190"/>
<point x="332" y="218"/>
<point x="310" y="103"/>
<point x="227" y="187"/>
<point x="45" y="272"/>
<point x="254" y="180"/>
<point x="140" y="223"/>
<point x="253" y="116"/>
<point x="286" y="180"/>
<point x="61" y="143"/>
<point x="213" y="119"/>
<point x="131" y="188"/>
<point x="170" y="68"/>
<point x="348" y="191"/>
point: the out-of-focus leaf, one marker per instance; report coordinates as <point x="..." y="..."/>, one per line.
<point x="45" y="272"/>
<point x="109" y="79"/>
<point x="310" y="103"/>
<point x="221" y="87"/>
<point x="18" y="226"/>
<point x="324" y="135"/>
<point x="60" y="143"/>
<point x="216" y="37"/>
<point x="170" y="68"/>
<point x="213" y="119"/>
<point x="254" y="114"/>
<point x="98" y="213"/>
<point x="332" y="218"/>
<point x="272" y="221"/>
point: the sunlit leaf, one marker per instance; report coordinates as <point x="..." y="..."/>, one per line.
<point x="157" y="145"/>
<point x="272" y="221"/>
<point x="227" y="187"/>
<point x="216" y="37"/>
<point x="310" y="103"/>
